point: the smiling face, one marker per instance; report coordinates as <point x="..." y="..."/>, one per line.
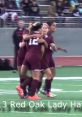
<point x="45" y="28"/>
<point x="52" y="28"/>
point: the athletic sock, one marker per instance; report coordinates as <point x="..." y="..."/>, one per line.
<point x="47" y="87"/>
<point x="22" y="79"/>
<point x="51" y="79"/>
<point x="33" y="88"/>
<point x="26" y="81"/>
<point x="39" y="86"/>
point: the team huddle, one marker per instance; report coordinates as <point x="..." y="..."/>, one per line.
<point x="35" y="54"/>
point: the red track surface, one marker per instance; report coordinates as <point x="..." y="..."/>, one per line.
<point x="68" y="61"/>
<point x="61" y="61"/>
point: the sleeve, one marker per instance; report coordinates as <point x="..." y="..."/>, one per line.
<point x="15" y="38"/>
<point x="52" y="40"/>
<point x="26" y="31"/>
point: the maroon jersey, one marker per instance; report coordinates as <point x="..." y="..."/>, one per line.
<point x="34" y="47"/>
<point x="26" y="31"/>
<point x="17" y="36"/>
<point x="33" y="55"/>
<point x="49" y="39"/>
<point x="47" y="61"/>
<point x="22" y="51"/>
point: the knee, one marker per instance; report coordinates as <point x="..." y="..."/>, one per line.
<point x="49" y="75"/>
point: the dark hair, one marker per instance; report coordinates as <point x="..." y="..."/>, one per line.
<point x="36" y="27"/>
<point x="50" y="23"/>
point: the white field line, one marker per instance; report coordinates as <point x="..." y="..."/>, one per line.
<point x="48" y="113"/>
<point x="55" y="100"/>
<point x="10" y="82"/>
<point x="55" y="78"/>
<point x="14" y="92"/>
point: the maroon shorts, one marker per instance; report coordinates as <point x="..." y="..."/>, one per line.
<point x="32" y="61"/>
<point x="44" y="63"/>
<point x="21" y="56"/>
<point x="47" y="62"/>
<point x="51" y="63"/>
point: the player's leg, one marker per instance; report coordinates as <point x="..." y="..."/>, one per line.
<point x="24" y="81"/>
<point x="34" y="85"/>
<point x="51" y="65"/>
<point x="53" y="70"/>
<point x="27" y="80"/>
<point x="23" y="76"/>
<point x="48" y="81"/>
<point x="40" y="81"/>
<point x="20" y="88"/>
<point x="20" y="58"/>
<point x="36" y="69"/>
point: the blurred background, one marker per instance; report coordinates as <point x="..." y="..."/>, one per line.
<point x="66" y="13"/>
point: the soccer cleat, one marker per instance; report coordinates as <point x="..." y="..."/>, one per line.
<point x="49" y="94"/>
<point x="25" y="96"/>
<point x="20" y="91"/>
<point x="38" y="97"/>
<point x="43" y="92"/>
<point x="35" y="97"/>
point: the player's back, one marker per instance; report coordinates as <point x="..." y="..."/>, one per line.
<point x="34" y="47"/>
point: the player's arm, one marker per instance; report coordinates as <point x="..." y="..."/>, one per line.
<point x="22" y="44"/>
<point x="53" y="47"/>
<point x="15" y="38"/>
<point x="42" y="50"/>
<point x="42" y="41"/>
<point x="28" y="36"/>
<point x="61" y="49"/>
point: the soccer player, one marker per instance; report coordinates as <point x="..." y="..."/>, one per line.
<point x="17" y="38"/>
<point x="20" y="58"/>
<point x="53" y="47"/>
<point x="47" y="61"/>
<point x="32" y="61"/>
<point x="50" y="64"/>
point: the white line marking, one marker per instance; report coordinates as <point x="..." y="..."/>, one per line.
<point x="61" y="100"/>
<point x="8" y="93"/>
<point x="2" y="90"/>
<point x="62" y="91"/>
<point x="60" y="113"/>
<point x="74" y="85"/>
<point x="10" y="82"/>
<point x="14" y="92"/>
<point x="55" y="78"/>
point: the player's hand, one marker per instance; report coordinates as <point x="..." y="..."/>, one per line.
<point x="65" y="50"/>
<point x="41" y="40"/>
<point x="37" y="35"/>
<point x="21" y="44"/>
<point x="62" y="49"/>
<point x="53" y="47"/>
<point x="24" y="36"/>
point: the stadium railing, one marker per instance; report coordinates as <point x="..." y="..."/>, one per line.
<point x="61" y="21"/>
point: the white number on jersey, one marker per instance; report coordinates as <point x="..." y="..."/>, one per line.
<point x="33" y="42"/>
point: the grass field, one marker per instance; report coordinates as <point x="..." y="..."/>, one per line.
<point x="67" y="86"/>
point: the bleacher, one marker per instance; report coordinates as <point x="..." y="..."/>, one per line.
<point x="61" y="21"/>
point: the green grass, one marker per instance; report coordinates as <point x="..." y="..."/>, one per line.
<point x="60" y="72"/>
<point x="70" y="94"/>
